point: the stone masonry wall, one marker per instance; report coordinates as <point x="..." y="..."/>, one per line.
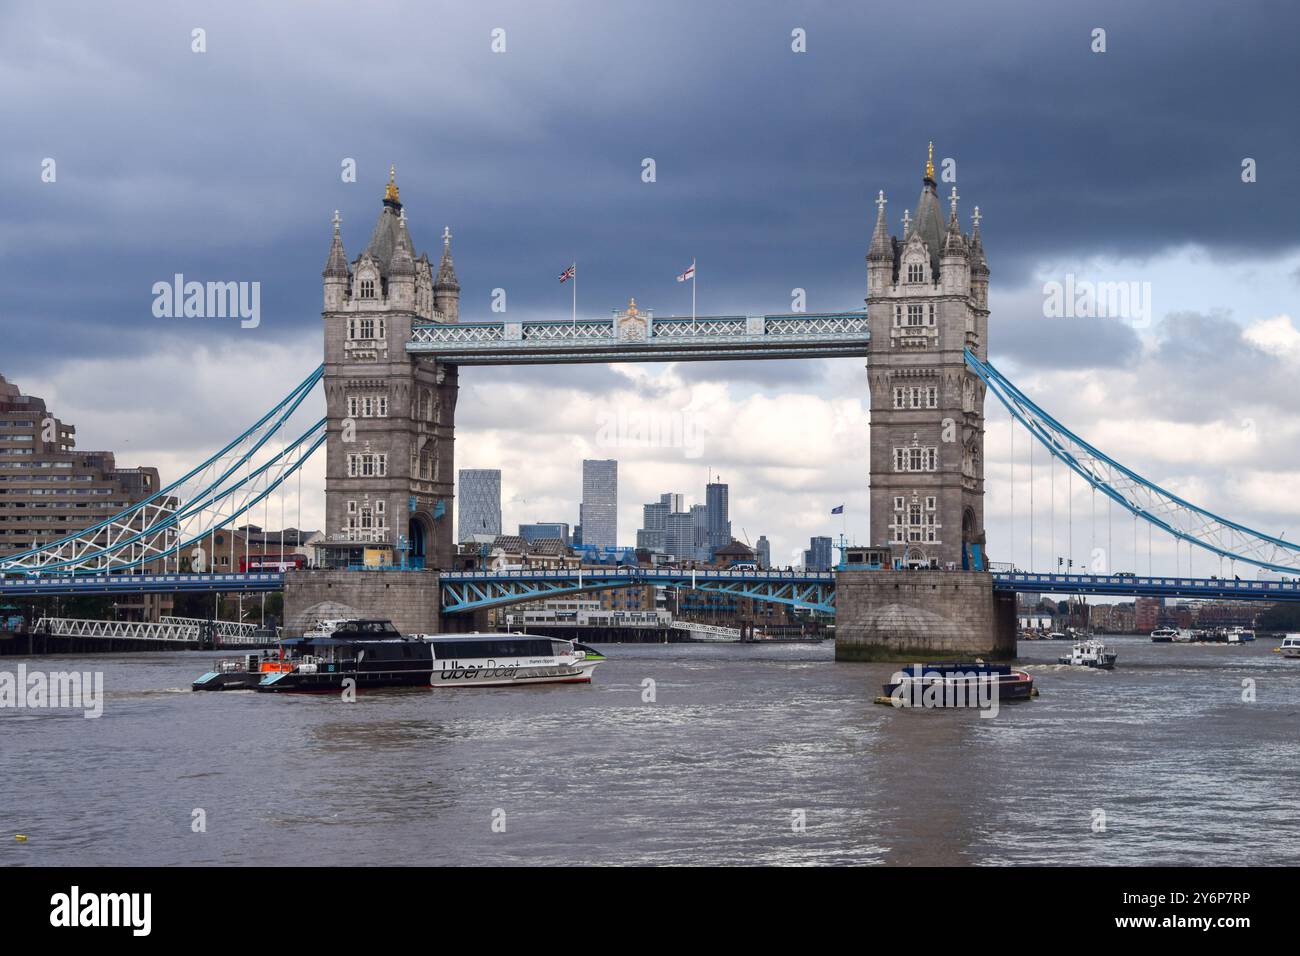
<point x="920" y="616"/>
<point x="407" y="598"/>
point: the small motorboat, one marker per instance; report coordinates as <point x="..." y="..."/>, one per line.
<point x="1090" y="653"/>
<point x="1290" y="646"/>
<point x="957" y="684"/>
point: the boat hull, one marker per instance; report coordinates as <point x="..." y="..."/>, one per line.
<point x="470" y="674"/>
<point x="963" y="681"/>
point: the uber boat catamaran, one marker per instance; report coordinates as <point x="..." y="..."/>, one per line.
<point x="373" y="653"/>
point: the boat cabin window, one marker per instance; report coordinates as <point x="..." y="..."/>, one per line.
<point x="493" y="648"/>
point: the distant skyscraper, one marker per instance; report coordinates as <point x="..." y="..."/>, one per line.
<point x="716" y="496"/>
<point x="653" y="533"/>
<point x="599" y="511"/>
<point x="700" y="524"/>
<point x="818" y="555"/>
<point x="763" y="552"/>
<point x="480" y="502"/>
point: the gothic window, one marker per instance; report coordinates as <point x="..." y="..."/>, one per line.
<point x="367" y="288"/>
<point x="900" y="397"/>
<point x="914" y="315"/>
<point x="367" y="465"/>
<point x="931" y="322"/>
<point x="898" y="315"/>
<point x="930" y="503"/>
<point x="382" y="411"/>
<point x="932" y="397"/>
<point x="916" y="459"/>
<point x="898" y="503"/>
<point x="915" y="272"/>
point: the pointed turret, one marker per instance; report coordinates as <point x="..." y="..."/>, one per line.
<point x="929" y="224"/>
<point x="403" y="261"/>
<point x="880" y="257"/>
<point x="336" y="274"/>
<point x="954" y="243"/>
<point x="979" y="265"/>
<point x="881" y="246"/>
<point x="387" y="236"/>
<point x="336" y="264"/>
<point x="446" y="289"/>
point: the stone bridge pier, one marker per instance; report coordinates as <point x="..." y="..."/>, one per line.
<point x="920" y="616"/>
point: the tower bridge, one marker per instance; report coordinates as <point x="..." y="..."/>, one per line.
<point x="395" y="339"/>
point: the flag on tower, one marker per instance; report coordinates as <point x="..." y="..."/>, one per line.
<point x="569" y="273"/>
<point x="837" y="510"/>
<point x="688" y="274"/>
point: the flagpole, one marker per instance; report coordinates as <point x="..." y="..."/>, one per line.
<point x="575" y="295"/>
<point x="694" y="272"/>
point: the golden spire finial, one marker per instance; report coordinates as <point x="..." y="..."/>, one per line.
<point x="390" y="194"/>
<point x="929" y="163"/>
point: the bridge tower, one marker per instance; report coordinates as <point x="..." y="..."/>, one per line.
<point x="389" y="466"/>
<point x="927" y="300"/>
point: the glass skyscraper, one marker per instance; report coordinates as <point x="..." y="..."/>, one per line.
<point x="598" y="513"/>
<point x="716" y="496"/>
<point x="479" y="510"/>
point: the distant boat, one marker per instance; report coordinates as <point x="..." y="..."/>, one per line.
<point x="1290" y="646"/>
<point x="1090" y="654"/>
<point x="1163" y="635"/>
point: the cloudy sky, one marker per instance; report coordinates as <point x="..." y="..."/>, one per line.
<point x="1122" y="165"/>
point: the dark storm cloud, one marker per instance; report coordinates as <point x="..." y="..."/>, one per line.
<point x="225" y="165"/>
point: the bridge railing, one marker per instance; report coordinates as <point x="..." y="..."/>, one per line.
<point x="649" y="574"/>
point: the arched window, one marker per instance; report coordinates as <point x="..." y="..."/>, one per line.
<point x="367" y="288"/>
<point x="915" y="272"/>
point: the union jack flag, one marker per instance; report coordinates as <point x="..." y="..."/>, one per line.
<point x="569" y="273"/>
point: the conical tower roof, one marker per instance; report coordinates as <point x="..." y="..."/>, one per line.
<point x="336" y="264"/>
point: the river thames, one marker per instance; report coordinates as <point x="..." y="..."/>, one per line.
<point x="747" y="754"/>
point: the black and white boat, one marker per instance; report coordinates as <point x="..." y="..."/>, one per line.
<point x="958" y="679"/>
<point x="373" y="653"/>
<point x="1090" y="653"/>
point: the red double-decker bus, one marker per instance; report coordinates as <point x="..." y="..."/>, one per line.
<point x="271" y="562"/>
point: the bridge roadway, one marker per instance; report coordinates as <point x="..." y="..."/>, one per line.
<point x="470" y="590"/>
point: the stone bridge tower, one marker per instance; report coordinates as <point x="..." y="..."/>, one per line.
<point x="389" y="465"/>
<point x="927" y="300"/>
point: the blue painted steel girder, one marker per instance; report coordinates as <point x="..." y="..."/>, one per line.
<point x="469" y="591"/>
<point x="1148" y="586"/>
<point x="92" y="584"/>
